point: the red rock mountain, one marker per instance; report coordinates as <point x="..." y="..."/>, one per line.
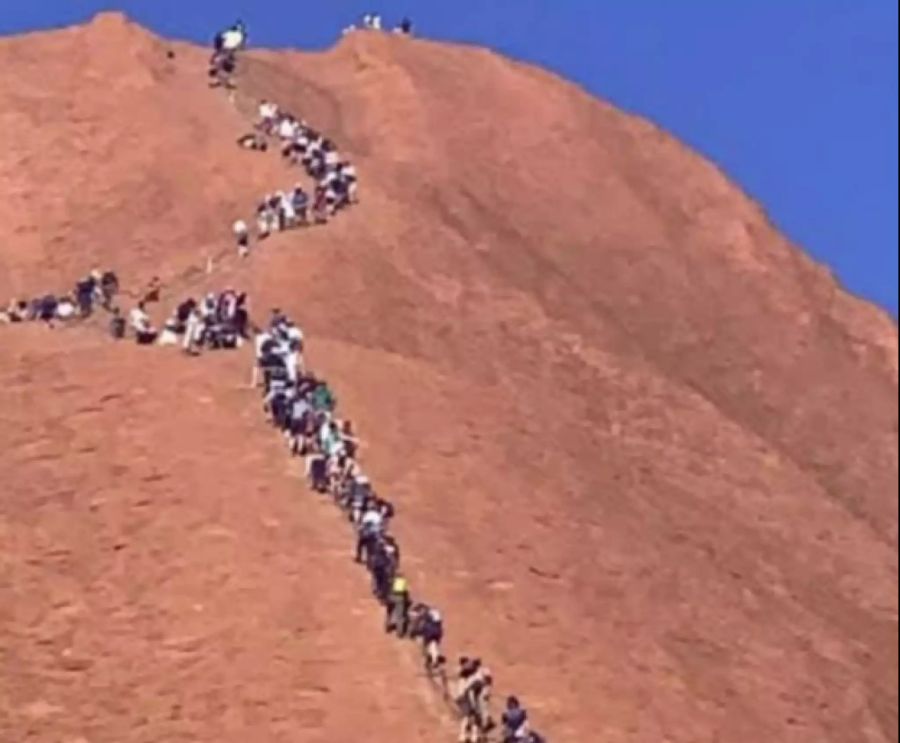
<point x="644" y="449"/>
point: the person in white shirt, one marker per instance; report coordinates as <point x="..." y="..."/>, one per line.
<point x="292" y="351"/>
<point x="268" y="116"/>
<point x="234" y="38"/>
<point x="144" y="332"/>
<point x="288" y="211"/>
<point x="169" y="334"/>
<point x="193" y="332"/>
<point x="287" y="129"/>
<point x="242" y="236"/>
<point x="65" y="309"/>
<point x="371" y="527"/>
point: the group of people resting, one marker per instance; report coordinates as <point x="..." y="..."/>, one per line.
<point x="336" y="179"/>
<point x="217" y="321"/>
<point x="303" y="408"/>
<point x="97" y="288"/>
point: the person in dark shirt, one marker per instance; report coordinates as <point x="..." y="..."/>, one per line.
<point x="84" y="295"/>
<point x="515" y="722"/>
<point x="117" y="325"/>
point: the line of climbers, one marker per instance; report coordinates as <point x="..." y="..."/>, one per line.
<point x="336" y="188"/>
<point x="302" y="407"/>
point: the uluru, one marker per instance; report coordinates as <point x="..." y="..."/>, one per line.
<point x="643" y="449"/>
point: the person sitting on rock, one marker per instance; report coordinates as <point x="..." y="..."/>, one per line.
<point x="16" y="312"/>
<point x="45" y="308"/>
<point x="66" y="308"/>
<point x="253" y="142"/>
<point x="170" y="334"/>
<point x="144" y="332"/>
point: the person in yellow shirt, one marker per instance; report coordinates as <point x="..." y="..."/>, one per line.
<point x="398" y="604"/>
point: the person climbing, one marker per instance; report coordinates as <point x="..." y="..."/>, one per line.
<point x="427" y="625"/>
<point x="381" y="558"/>
<point x="371" y="527"/>
<point x="323" y="398"/>
<point x="242" y="237"/>
<point x="474" y="684"/>
<point x="405" y="28"/>
<point x="515" y="722"/>
<point x="398" y="606"/>
<point x="222" y="66"/>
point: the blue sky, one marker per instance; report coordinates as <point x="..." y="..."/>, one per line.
<point x="795" y="99"/>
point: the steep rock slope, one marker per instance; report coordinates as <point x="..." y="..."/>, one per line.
<point x="645" y="450"/>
